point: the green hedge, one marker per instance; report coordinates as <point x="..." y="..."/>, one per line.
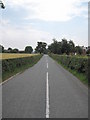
<point x="79" y="64"/>
<point x="9" y="66"/>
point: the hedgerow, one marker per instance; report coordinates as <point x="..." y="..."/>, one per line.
<point x="79" y="64"/>
<point x="10" y="65"/>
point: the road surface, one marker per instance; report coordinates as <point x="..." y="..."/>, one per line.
<point x="46" y="90"/>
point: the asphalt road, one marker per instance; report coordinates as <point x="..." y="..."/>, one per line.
<point x="44" y="91"/>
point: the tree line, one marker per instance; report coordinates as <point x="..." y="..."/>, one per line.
<point x="57" y="47"/>
<point x="28" y="49"/>
<point x="40" y="48"/>
<point x="64" y="47"/>
<point x="67" y="47"/>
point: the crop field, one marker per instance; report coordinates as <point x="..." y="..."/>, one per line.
<point x="13" y="55"/>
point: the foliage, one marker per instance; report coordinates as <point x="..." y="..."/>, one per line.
<point x="28" y="49"/>
<point x="41" y="47"/>
<point x="78" y="50"/>
<point x="1" y="49"/>
<point x="15" y="50"/>
<point x="62" y="47"/>
<point x="65" y="48"/>
<point x="72" y="46"/>
<point x="88" y="51"/>
<point x="78" y="64"/>
<point x="10" y="65"/>
<point x="55" y="47"/>
<point x="9" y="50"/>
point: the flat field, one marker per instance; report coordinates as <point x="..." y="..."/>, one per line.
<point x="14" y="55"/>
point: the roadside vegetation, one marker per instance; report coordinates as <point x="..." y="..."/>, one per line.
<point x="13" y="61"/>
<point x="68" y="47"/>
<point x="28" y="49"/>
<point x="12" y="66"/>
<point x="73" y="58"/>
<point x="78" y="66"/>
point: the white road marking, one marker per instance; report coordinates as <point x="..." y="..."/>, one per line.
<point x="47" y="65"/>
<point x="47" y="97"/>
<point x="9" y="79"/>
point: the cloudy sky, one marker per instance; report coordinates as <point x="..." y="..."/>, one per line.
<point x="24" y="22"/>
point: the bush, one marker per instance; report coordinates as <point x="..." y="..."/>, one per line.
<point x="78" y="64"/>
<point x="10" y="65"/>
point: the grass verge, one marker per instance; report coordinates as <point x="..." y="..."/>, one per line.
<point x="80" y="76"/>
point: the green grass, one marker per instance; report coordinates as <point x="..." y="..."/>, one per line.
<point x="80" y="76"/>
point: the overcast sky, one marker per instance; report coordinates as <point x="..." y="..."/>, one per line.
<point x="24" y="22"/>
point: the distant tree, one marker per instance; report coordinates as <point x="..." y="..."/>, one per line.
<point x="88" y="51"/>
<point x="22" y="51"/>
<point x="55" y="47"/>
<point x="15" y="50"/>
<point x="9" y="50"/>
<point x="78" y="50"/>
<point x="28" y="49"/>
<point x="62" y="47"/>
<point x="65" y="46"/>
<point x="72" y="46"/>
<point x="1" y="49"/>
<point x="41" y="47"/>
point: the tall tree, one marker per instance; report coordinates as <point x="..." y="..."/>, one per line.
<point x="62" y="47"/>
<point x="78" y="50"/>
<point x="55" y="47"/>
<point x="65" y="46"/>
<point x="28" y="49"/>
<point x="41" y="47"/>
<point x="15" y="50"/>
<point x="72" y="46"/>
